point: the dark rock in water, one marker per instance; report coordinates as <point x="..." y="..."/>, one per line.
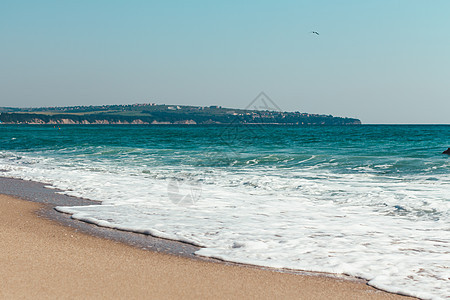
<point x="446" y="151"/>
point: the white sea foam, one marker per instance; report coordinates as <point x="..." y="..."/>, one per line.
<point x="392" y="231"/>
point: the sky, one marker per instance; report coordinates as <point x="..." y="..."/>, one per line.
<point x="379" y="61"/>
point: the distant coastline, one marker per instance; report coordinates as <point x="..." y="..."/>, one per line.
<point x="151" y="113"/>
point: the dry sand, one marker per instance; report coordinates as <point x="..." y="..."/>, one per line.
<point x="42" y="259"/>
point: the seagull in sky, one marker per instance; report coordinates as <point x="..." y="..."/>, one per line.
<point x="315" y="32"/>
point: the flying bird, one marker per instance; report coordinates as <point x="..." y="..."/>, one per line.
<point x="315" y="32"/>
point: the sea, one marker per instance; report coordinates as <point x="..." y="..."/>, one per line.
<point x="370" y="201"/>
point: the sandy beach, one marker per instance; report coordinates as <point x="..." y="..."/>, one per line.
<point x="42" y="259"/>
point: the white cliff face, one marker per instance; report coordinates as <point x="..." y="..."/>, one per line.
<point x="37" y="121"/>
<point x="187" y="122"/>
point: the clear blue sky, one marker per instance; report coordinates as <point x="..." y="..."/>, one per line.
<point x="380" y="61"/>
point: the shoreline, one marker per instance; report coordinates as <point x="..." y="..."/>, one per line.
<point x="240" y="280"/>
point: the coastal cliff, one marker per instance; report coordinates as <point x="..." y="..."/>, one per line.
<point x="163" y="114"/>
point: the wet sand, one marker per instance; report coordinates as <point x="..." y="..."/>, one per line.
<point x="41" y="258"/>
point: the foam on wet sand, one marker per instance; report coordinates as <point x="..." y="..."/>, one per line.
<point x="43" y="259"/>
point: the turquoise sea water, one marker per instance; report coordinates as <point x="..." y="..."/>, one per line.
<point x="370" y="201"/>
